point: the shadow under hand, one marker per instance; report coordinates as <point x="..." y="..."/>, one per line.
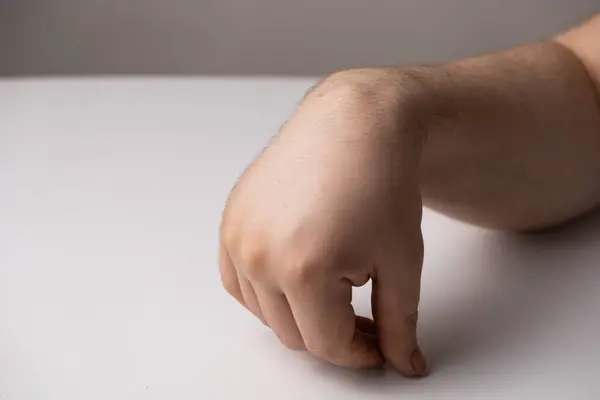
<point x="515" y="292"/>
<point x="488" y="297"/>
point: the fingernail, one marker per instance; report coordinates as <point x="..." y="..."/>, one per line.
<point x="418" y="362"/>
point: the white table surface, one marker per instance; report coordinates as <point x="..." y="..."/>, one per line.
<point x="110" y="199"/>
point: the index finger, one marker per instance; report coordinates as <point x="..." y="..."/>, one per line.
<point x="326" y="320"/>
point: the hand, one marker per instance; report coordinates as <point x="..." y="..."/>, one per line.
<point x="331" y="203"/>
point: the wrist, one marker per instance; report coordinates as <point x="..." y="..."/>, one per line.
<point x="424" y="105"/>
<point x="390" y="98"/>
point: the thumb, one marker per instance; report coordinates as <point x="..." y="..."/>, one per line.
<point x="395" y="300"/>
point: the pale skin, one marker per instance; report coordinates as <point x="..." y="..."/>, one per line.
<point x="509" y="141"/>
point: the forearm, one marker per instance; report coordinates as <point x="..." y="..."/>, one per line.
<point x="512" y="139"/>
<point x="509" y="140"/>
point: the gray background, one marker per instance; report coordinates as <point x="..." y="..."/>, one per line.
<point x="305" y="37"/>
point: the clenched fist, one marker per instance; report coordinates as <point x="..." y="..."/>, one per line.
<point x="331" y="203"/>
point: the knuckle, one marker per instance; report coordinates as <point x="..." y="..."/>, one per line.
<point x="302" y="272"/>
<point x="304" y="265"/>
<point x="255" y="270"/>
<point x="252" y="258"/>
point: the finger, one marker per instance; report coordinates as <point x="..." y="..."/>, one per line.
<point x="395" y="299"/>
<point x="327" y="323"/>
<point x="229" y="275"/>
<point x="250" y="299"/>
<point x="278" y="315"/>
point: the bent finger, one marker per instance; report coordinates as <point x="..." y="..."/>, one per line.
<point x="229" y="276"/>
<point x="395" y="300"/>
<point x="278" y="315"/>
<point x="250" y="299"/>
<point x="327" y="323"/>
